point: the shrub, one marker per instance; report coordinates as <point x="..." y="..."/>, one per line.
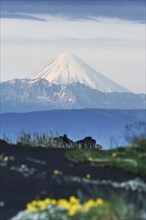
<point x="135" y="134"/>
<point x="116" y="208"/>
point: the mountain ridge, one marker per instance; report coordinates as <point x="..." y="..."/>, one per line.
<point x="38" y="94"/>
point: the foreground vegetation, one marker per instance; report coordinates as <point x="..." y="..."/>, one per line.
<point x="49" y="141"/>
<point x="130" y="159"/>
<point x="35" y="140"/>
<point x="95" y="205"/>
<point x="73" y="209"/>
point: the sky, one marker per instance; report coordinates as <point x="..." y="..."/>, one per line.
<point x="109" y="35"/>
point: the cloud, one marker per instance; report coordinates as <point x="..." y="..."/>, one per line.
<point x="21" y="16"/>
<point x="61" y="27"/>
<point x="76" y="9"/>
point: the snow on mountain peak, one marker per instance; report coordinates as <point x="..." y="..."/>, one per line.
<point x="65" y="56"/>
<point x="67" y="68"/>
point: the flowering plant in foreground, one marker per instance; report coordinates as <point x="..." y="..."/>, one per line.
<point x="74" y="209"/>
<point x="52" y="208"/>
<point x="4" y="159"/>
<point x="72" y="206"/>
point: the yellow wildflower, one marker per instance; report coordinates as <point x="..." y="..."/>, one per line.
<point x="53" y="202"/>
<point x="6" y="158"/>
<point x="47" y="201"/>
<point x="73" y="210"/>
<point x="41" y="204"/>
<point x="99" y="201"/>
<point x="114" y="154"/>
<point x="56" y="172"/>
<point x="23" y="166"/>
<point x="63" y="203"/>
<point x="88" y="176"/>
<point x="31" y="207"/>
<point x="73" y="200"/>
<point x="87" y="205"/>
<point x="34" y="203"/>
<point x="90" y="158"/>
<point x="72" y="206"/>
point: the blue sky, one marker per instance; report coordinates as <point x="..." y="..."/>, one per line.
<point x="108" y="35"/>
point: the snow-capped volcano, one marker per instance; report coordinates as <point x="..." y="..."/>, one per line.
<point x="68" y="68"/>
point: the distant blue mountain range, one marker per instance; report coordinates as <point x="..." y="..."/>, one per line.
<point x="105" y="125"/>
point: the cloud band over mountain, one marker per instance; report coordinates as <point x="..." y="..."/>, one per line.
<point x="73" y="9"/>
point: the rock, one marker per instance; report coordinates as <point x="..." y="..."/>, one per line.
<point x="86" y="143"/>
<point x="68" y="142"/>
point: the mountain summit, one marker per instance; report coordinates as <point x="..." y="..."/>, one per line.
<point x="68" y="68"/>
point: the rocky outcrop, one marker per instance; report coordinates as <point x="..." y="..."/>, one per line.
<point x="86" y="143"/>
